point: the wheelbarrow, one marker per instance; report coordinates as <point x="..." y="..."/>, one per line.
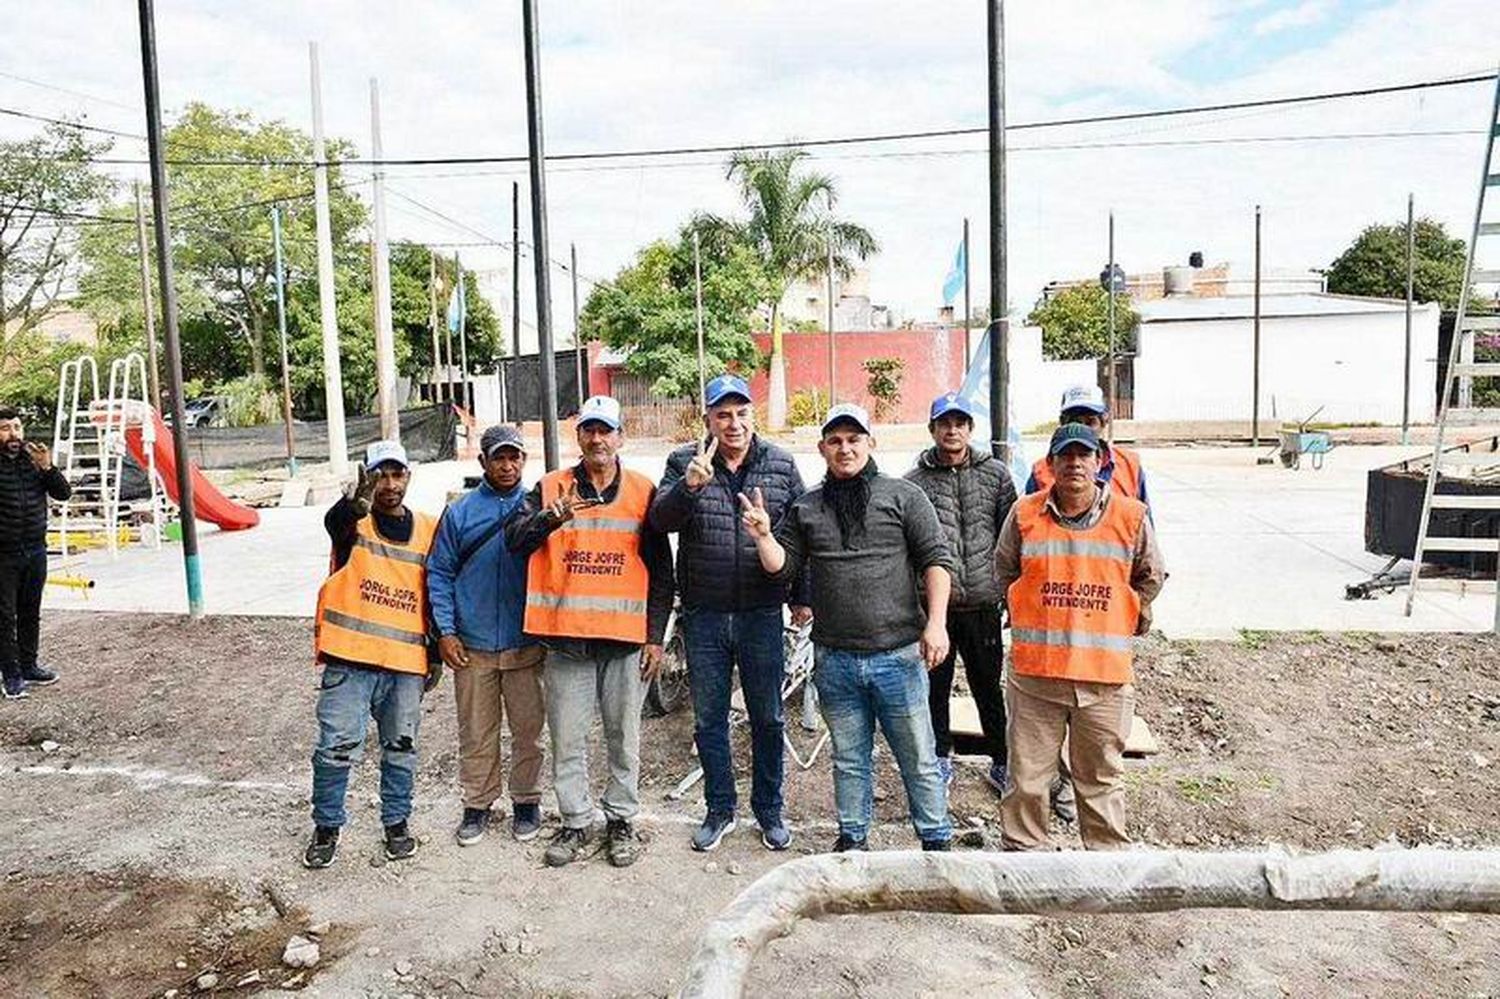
<point x="1297" y="441"/>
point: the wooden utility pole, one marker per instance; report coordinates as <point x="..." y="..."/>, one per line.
<point x="385" y="334"/>
<point x="333" y="378"/>
<point x="438" y="389"/>
<point x="1410" y="278"/>
<point x="150" y="311"/>
<point x="286" y="366"/>
<point x="578" y="350"/>
<point x="1255" y="376"/>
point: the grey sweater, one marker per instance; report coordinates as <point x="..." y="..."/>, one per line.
<point x="864" y="597"/>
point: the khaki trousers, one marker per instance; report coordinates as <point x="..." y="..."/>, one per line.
<point x="493" y="686"/>
<point x="1095" y="719"/>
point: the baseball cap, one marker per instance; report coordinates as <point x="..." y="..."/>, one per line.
<point x="1088" y="397"/>
<point x="723" y="387"/>
<point x="381" y="452"/>
<point x="1074" y="433"/>
<point x="501" y="435"/>
<point x="950" y="402"/>
<point x="600" y="409"/>
<point x="847" y="411"/>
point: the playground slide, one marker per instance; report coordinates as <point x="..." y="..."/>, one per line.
<point x="210" y="504"/>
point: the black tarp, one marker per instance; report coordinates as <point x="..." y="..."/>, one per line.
<point x="426" y="431"/>
<point x="523" y="384"/>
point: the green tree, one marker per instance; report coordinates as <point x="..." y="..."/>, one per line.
<point x="411" y="307"/>
<point x="884" y="383"/>
<point x="790" y="226"/>
<point x="648" y="309"/>
<point x="1075" y="323"/>
<point x="1375" y="264"/>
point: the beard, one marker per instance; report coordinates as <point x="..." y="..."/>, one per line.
<point x="13" y="447"/>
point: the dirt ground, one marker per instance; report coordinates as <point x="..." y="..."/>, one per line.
<point x="158" y="840"/>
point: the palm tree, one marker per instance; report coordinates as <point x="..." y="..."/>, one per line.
<point x="791" y="226"/>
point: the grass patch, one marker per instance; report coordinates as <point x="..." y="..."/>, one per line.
<point x="1213" y="789"/>
<point x="1252" y="639"/>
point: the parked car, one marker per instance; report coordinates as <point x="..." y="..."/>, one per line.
<point x="206" y="411"/>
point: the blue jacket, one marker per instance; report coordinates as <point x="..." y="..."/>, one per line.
<point x="484" y="604"/>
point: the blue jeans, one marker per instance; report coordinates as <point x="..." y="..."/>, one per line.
<point x="715" y="641"/>
<point x="348" y="698"/>
<point x="857" y="690"/>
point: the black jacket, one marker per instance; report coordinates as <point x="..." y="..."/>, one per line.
<point x="717" y="567"/>
<point x="23" y="502"/>
<point x="971" y="500"/>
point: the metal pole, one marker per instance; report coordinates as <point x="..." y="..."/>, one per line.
<point x="154" y="143"/>
<point x="578" y="348"/>
<point x="333" y="377"/>
<point x="550" y="447"/>
<point x="385" y="335"/>
<point x="448" y="362"/>
<point x="698" y="316"/>
<point x="463" y="333"/>
<point x="1255" y="375"/>
<point x="832" y="357"/>
<point x="968" y="310"/>
<point x="438" y="391"/>
<point x="286" y="367"/>
<point x="999" y="321"/>
<point x="1410" y="275"/>
<point x="149" y="311"/>
<point x="515" y="287"/>
<point x="1109" y="291"/>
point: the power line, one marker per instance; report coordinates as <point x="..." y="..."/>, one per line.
<point x="14" y="113"/>
<point x="72" y="93"/>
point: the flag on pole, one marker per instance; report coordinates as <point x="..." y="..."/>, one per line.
<point x="954" y="282"/>
<point x="457" y="307"/>
<point x="976" y="389"/>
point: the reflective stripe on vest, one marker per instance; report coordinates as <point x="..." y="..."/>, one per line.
<point x="373" y="609"/>
<point x="1073" y="613"/>
<point x="588" y="579"/>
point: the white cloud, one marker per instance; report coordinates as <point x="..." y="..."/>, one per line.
<point x="1303" y="15"/>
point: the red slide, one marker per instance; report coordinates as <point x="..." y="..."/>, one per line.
<point x="210" y="504"/>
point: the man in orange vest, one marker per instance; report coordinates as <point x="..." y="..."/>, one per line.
<point x="371" y="635"/>
<point x="1119" y="467"/>
<point x="598" y="595"/>
<point x="1080" y="567"/>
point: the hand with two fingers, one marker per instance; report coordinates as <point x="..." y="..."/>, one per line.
<point x="40" y="454"/>
<point x="562" y="509"/>
<point x="362" y="491"/>
<point x="700" y="471"/>
<point x="754" y="516"/>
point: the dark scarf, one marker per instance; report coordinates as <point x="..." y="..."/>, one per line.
<point x="848" y="499"/>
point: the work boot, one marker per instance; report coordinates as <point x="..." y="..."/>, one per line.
<point x="848" y="844"/>
<point x="323" y="848"/>
<point x="937" y="845"/>
<point x="1064" y="803"/>
<point x="14" y="685"/>
<point x="38" y="676"/>
<point x="399" y="844"/>
<point x="774" y="835"/>
<point x="716" y="825"/>
<point x="620" y="843"/>
<point x="566" y="847"/>
<point x="471" y="829"/>
<point x="525" y="821"/>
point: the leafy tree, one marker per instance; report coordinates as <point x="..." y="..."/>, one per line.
<point x="1375" y="264"/>
<point x="884" y="383"/>
<point x="411" y="303"/>
<point x="790" y="226"/>
<point x="649" y="310"/>
<point x="1075" y="323"/>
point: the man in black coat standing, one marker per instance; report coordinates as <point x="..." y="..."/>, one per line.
<point x="27" y="479"/>
<point x="731" y="610"/>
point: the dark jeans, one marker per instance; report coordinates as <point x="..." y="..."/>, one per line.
<point x="348" y="698"/>
<point x="22" y="577"/>
<point x="715" y="641"/>
<point x="975" y="635"/>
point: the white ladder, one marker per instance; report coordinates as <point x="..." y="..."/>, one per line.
<point x="81" y="448"/>
<point x="127" y="407"/>
<point x="1477" y="461"/>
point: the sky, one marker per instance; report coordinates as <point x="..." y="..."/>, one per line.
<point x="673" y="73"/>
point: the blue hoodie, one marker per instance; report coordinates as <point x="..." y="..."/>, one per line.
<point x="486" y="601"/>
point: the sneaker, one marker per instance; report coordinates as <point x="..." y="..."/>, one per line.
<point x="38" y="676"/>
<point x="774" y="835"/>
<point x="399" y="844"/>
<point x="526" y="821"/>
<point x="716" y="825"/>
<point x="997" y="777"/>
<point x="847" y="844"/>
<point x="620" y="843"/>
<point x="1064" y="803"/>
<point x="566" y="846"/>
<point x="937" y="845"/>
<point x="945" y="770"/>
<point x="471" y="829"/>
<point x="14" y="686"/>
<point x="323" y="848"/>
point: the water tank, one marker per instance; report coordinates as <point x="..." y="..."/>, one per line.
<point x="1195" y="259"/>
<point x="1177" y="280"/>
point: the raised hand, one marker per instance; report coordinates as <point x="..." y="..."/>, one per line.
<point x="562" y="508"/>
<point x="700" y="471"/>
<point x="364" y="490"/>
<point x="40" y="454"/>
<point x="754" y="516"/>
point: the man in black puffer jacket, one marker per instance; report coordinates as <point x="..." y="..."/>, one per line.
<point x="27" y="479"/>
<point x="972" y="492"/>
<point x="731" y="610"/>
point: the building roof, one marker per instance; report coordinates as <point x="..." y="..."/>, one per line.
<point x="1190" y="308"/>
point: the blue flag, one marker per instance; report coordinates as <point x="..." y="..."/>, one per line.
<point x="954" y="282"/>
<point x="976" y="389"/>
<point x="457" y="307"/>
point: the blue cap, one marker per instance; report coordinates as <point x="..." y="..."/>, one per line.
<point x="950" y="402"/>
<point x="723" y="387"/>
<point x="1074" y="433"/>
<point x="600" y="409"/>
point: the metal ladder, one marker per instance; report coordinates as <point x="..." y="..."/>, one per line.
<point x="1478" y="460"/>
<point x="127" y="407"/>
<point x="81" y="448"/>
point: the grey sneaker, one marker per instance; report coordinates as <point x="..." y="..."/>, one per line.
<point x="620" y="843"/>
<point x="526" y="821"/>
<point x="399" y="843"/>
<point x="38" y="676"/>
<point x="774" y="835"/>
<point x="471" y="829"/>
<point x="716" y="825"/>
<point x="14" y="686"/>
<point x="566" y="847"/>
<point x="848" y="844"/>
<point x="323" y="848"/>
<point x="937" y="845"/>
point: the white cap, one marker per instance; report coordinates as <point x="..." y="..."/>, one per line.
<point x="383" y="451"/>
<point x="1089" y="397"/>
<point x="602" y="409"/>
<point x="847" y="411"/>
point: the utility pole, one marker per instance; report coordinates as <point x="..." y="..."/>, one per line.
<point x="1255" y="377"/>
<point x="578" y="350"/>
<point x="831" y="355"/>
<point x="550" y="446"/>
<point x="999" y="320"/>
<point x="463" y="332"/>
<point x="1109" y="290"/>
<point x="286" y="367"/>
<point x="968" y="311"/>
<point x="515" y="284"/>
<point x="154" y="143"/>
<point x="438" y="390"/>
<point x="385" y="335"/>
<point x="333" y="378"/>
<point x="150" y="312"/>
<point x="698" y="317"/>
<point x="1410" y="276"/>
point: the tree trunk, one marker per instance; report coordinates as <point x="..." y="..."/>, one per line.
<point x="257" y="346"/>
<point x="776" y="405"/>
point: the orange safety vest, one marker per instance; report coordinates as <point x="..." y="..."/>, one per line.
<point x="1072" y="612"/>
<point x="373" y="610"/>
<point x="1124" y="479"/>
<point x="588" y="579"/>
